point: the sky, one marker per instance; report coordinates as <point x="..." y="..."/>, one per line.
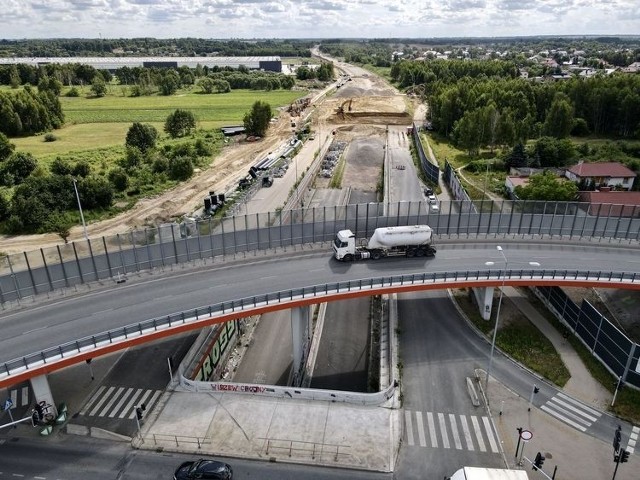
<point x="315" y="18"/>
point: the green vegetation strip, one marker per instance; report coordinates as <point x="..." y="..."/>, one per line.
<point x="520" y="340"/>
<point x="336" y="179"/>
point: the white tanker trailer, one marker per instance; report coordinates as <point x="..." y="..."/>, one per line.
<point x="410" y="241"/>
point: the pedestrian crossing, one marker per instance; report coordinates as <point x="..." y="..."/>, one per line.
<point x="633" y="438"/>
<point x="19" y="397"/>
<point x="119" y="402"/>
<point x="571" y="411"/>
<point x="450" y="431"/>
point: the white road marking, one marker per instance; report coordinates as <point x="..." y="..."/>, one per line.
<point x="421" y="436"/>
<point x="407" y="420"/>
<point x="478" y="431"/>
<point x="432" y="430"/>
<point x="443" y="431"/>
<point x="467" y="432"/>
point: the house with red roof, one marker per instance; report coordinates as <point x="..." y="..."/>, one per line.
<point x="602" y="174"/>
<point x="605" y="203"/>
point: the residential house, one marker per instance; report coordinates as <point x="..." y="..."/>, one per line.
<point x="606" y="203"/>
<point x="607" y="174"/>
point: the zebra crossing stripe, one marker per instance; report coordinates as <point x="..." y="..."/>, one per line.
<point x="443" y="431"/>
<point x="432" y="430"/>
<point x="563" y="418"/>
<point x="476" y="428"/>
<point x="92" y="399"/>
<point x="118" y="406"/>
<point x="582" y="406"/>
<point x="129" y="407"/>
<point x="489" y="430"/>
<point x="101" y="401"/>
<point x="572" y="411"/>
<point x="146" y="400"/>
<point x="454" y="430"/>
<point x="633" y="438"/>
<point x="110" y="403"/>
<point x="421" y="437"/>
<point x="467" y="432"/>
<point x="407" y="417"/>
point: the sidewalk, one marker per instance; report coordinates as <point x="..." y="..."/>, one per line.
<point x="578" y="456"/>
<point x="581" y="385"/>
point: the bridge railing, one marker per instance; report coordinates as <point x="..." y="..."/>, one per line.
<point x="84" y="262"/>
<point x="209" y="314"/>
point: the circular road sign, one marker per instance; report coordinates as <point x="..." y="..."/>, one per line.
<point x="526" y="435"/>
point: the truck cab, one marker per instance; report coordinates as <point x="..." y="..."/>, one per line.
<point x="344" y="245"/>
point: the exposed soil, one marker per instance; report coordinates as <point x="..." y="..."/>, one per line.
<point x="373" y="102"/>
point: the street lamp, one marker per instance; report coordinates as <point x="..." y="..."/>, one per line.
<point x="495" y="328"/>
<point x="84" y="226"/>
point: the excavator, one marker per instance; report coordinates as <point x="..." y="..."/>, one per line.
<point x="340" y="109"/>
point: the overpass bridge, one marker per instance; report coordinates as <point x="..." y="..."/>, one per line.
<point x="41" y="340"/>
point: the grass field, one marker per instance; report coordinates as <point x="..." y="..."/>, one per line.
<point x="93" y="123"/>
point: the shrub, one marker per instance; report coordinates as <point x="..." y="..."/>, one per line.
<point x="50" y="137"/>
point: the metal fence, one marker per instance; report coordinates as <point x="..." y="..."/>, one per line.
<point x="314" y="294"/>
<point x="431" y="171"/>
<point x="617" y="352"/>
<point x="457" y="189"/>
<point x="66" y="265"/>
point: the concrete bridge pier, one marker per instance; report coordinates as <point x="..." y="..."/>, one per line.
<point x="43" y="395"/>
<point x="301" y="333"/>
<point x="484" y="298"/>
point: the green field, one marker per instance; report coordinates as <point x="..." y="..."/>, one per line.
<point x="92" y="123"/>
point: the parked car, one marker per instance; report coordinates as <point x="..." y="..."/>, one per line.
<point x="428" y="191"/>
<point x="203" y="469"/>
<point x="432" y="199"/>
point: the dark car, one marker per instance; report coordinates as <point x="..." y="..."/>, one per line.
<point x="428" y="191"/>
<point x="204" y="469"/>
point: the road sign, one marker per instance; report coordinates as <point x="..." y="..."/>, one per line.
<point x="8" y="404"/>
<point x="526" y="435"/>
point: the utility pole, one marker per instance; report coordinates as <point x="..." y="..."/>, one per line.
<point x="84" y="226"/>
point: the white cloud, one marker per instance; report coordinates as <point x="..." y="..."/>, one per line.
<point x="315" y="18"/>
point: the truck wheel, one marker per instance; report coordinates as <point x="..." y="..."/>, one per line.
<point x="411" y="253"/>
<point x="420" y="252"/>
<point x="347" y="258"/>
<point x="376" y="255"/>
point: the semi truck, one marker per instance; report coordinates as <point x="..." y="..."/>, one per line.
<point x="408" y="240"/>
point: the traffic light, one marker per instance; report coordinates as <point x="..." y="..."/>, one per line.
<point x="139" y="413"/>
<point x="536" y="389"/>
<point x="39" y="411"/>
<point x="624" y="456"/>
<point x="537" y="463"/>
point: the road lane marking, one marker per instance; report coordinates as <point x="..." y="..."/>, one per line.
<point x="421" y="436"/>
<point x="454" y="430"/>
<point x="102" y="400"/>
<point x="467" y="432"/>
<point x="492" y="440"/>
<point x="443" y="431"/>
<point x="109" y="404"/>
<point x="432" y="430"/>
<point x="478" y="431"/>
<point x="563" y="418"/>
<point x="407" y="419"/>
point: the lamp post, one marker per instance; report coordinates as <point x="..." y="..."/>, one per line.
<point x="495" y="328"/>
<point x="84" y="226"/>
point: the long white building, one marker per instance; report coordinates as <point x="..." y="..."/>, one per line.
<point x="271" y="64"/>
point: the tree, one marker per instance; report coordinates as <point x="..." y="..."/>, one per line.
<point x="4" y="208"/>
<point x="60" y="166"/>
<point x="81" y="169"/>
<point x="142" y="136"/>
<point x="517" y="158"/>
<point x="99" y="86"/>
<point x="17" y="168"/>
<point x="6" y="147"/>
<point x="206" y="84"/>
<point x="180" y="123"/>
<point x="546" y="186"/>
<point x="256" y="122"/>
<point x="180" y="168"/>
<point x="169" y="83"/>
<point x="95" y="192"/>
<point x="559" y="120"/>
<point x="119" y="179"/>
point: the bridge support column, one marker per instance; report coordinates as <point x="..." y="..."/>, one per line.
<point x="484" y="298"/>
<point x="43" y="395"/>
<point x="301" y="333"/>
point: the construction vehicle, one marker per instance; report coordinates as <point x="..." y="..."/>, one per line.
<point x="267" y="181"/>
<point x="410" y="241"/>
<point x="340" y="109"/>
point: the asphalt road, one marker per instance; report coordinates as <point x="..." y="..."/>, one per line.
<point x="66" y="319"/>
<point x="78" y="458"/>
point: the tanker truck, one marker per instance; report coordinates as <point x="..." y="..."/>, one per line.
<point x="410" y="241"/>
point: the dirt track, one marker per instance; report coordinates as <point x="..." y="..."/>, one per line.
<point x="373" y="102"/>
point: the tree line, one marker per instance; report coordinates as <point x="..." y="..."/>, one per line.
<point x="481" y="104"/>
<point x="188" y="47"/>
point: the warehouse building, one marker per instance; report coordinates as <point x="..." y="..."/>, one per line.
<point x="270" y="64"/>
